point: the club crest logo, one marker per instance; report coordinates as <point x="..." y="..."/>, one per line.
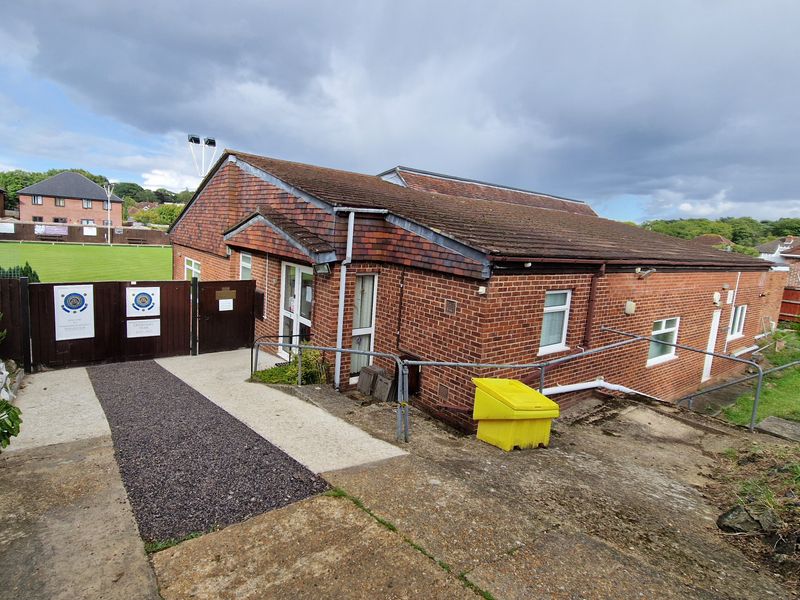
<point x="74" y="303"/>
<point x="143" y="301"/>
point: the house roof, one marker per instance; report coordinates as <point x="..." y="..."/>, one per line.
<point x="470" y="188"/>
<point x="301" y="237"/>
<point x="789" y="243"/>
<point x="711" y="239"/>
<point x="68" y="185"/>
<point x="503" y="232"/>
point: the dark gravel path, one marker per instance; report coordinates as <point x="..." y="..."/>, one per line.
<point x="187" y="464"/>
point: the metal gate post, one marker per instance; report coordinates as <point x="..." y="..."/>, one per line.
<point x="24" y="302"/>
<point x="195" y="294"/>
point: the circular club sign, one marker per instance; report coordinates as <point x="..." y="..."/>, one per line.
<point x="74" y="303"/>
<point x="143" y="301"/>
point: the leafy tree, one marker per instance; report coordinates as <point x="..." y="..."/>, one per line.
<point x="689" y="228"/>
<point x="784" y="227"/>
<point x="127" y="203"/>
<point x="160" y="215"/>
<point x="749" y="251"/>
<point x="184" y="196"/>
<point x="745" y="230"/>
<point x="19" y="272"/>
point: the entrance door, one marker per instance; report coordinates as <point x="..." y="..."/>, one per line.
<point x="297" y="297"/>
<point x="712" y="343"/>
<point x="225" y="315"/>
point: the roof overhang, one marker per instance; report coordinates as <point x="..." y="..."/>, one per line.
<point x="321" y="253"/>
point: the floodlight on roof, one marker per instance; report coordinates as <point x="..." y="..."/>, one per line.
<point x="194" y="140"/>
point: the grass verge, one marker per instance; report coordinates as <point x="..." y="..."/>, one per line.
<point x="779" y="395"/>
<point x="462" y="577"/>
<point x="159" y="545"/>
<point x="71" y="262"/>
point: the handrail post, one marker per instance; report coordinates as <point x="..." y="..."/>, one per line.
<point x="757" y="397"/>
<point x="406" y="408"/>
<point x="300" y="366"/>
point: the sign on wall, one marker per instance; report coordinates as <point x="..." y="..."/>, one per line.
<point x="6" y="228"/>
<point x="143" y="301"/>
<point x="50" y="230"/>
<point x="225" y="304"/>
<point x="144" y="328"/>
<point x="74" y="310"/>
<point x="90" y="231"/>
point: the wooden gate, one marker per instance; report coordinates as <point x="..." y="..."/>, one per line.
<point x="225" y="315"/>
<point x="113" y="340"/>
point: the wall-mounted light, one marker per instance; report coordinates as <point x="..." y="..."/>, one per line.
<point x="322" y="268"/>
<point x="644" y="273"/>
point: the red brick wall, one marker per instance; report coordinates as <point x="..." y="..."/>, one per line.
<point x="72" y="210"/>
<point x="794" y="273"/>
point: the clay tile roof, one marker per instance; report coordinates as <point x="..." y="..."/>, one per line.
<point x="711" y="239"/>
<point x="68" y="185"/>
<point x="499" y="229"/>
<point x="468" y="188"/>
<point x="302" y="235"/>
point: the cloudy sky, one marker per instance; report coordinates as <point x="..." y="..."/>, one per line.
<point x="646" y="109"/>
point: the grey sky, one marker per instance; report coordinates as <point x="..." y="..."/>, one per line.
<point x="643" y="108"/>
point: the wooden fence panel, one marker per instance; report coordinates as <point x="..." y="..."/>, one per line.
<point x="11" y="320"/>
<point x="790" y="305"/>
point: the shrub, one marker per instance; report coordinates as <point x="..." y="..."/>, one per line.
<point x="9" y="422"/>
<point x="314" y="370"/>
<point x="18" y="272"/>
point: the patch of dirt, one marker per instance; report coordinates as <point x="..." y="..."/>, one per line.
<point x="763" y="479"/>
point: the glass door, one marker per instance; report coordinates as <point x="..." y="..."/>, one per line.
<point x="297" y="297"/>
<point x="363" y="322"/>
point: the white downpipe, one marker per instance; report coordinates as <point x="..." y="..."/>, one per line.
<point x="733" y="311"/>
<point x="588" y="385"/>
<point x="337" y="371"/>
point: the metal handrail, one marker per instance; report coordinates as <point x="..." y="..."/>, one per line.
<point x="759" y="375"/>
<point x="721" y="386"/>
<point x="402" y="426"/>
<point x="254" y="365"/>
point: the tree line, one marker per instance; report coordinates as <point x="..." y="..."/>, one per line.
<point x="742" y="231"/>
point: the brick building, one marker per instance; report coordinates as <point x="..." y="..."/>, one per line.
<point x="442" y="268"/>
<point x="68" y="198"/>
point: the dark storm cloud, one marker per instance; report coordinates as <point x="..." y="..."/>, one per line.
<point x="691" y="105"/>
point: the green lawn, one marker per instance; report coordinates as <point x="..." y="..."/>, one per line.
<point x="780" y="395"/>
<point x="71" y="262"/>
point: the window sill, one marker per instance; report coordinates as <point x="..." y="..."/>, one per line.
<point x="552" y="349"/>
<point x="731" y="338"/>
<point x="661" y="360"/>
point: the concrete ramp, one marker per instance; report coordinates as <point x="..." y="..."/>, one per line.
<point x="309" y="434"/>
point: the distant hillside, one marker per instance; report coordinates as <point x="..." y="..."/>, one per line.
<point x="742" y="231"/>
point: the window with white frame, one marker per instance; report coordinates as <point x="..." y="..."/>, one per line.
<point x="87" y="221"/>
<point x="191" y="268"/>
<point x="105" y="205"/>
<point x="107" y="222"/>
<point x="665" y="330"/>
<point x="60" y="202"/>
<point x="363" y="321"/>
<point x="87" y="203"/>
<point x="37" y="200"/>
<point x="555" y="321"/>
<point x="736" y="327"/>
<point x="245" y="265"/>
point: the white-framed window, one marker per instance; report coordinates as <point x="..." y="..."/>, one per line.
<point x="245" y="265"/>
<point x="665" y="330"/>
<point x="555" y="320"/>
<point x="363" y="321"/>
<point x="736" y="327"/>
<point x="105" y="205"/>
<point x="37" y="200"/>
<point x="87" y="221"/>
<point x="87" y="203"/>
<point x="107" y="222"/>
<point x="191" y="268"/>
<point x="38" y="219"/>
<point x="59" y="202"/>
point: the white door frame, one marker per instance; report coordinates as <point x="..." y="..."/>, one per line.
<point x="371" y="329"/>
<point x="712" y="343"/>
<point x="296" y="318"/>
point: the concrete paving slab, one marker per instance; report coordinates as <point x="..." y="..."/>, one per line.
<point x="66" y="528"/>
<point x="788" y="430"/>
<point x="309" y="434"/>
<point x="57" y="407"/>
<point x="319" y="548"/>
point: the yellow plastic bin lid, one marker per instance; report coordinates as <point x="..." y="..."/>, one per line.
<point x="518" y="397"/>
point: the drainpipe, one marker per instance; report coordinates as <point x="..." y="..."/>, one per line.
<point x="587" y="332"/>
<point x="337" y="372"/>
<point x="351" y="223"/>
